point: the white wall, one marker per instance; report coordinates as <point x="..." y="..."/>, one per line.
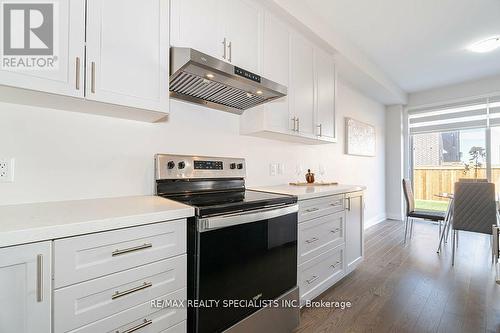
<point x="64" y="155"/>
<point x="394" y="161"/>
<point x="485" y="86"/>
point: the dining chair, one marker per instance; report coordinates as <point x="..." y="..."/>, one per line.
<point x="412" y="213"/>
<point x="474" y="209"/>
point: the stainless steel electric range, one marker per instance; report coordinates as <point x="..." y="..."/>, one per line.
<point x="242" y="246"/>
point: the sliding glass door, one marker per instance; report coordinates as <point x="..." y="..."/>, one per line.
<point x="442" y="158"/>
<point x="451" y="142"/>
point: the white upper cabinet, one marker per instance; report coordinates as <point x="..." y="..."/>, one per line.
<point x="302" y="84"/>
<point x="229" y="30"/>
<point x="25" y="288"/>
<point x="325" y="94"/>
<point x="276" y="67"/>
<point x="127" y="52"/>
<point x="66" y="77"/>
<point x="198" y="24"/>
<point x="243" y="28"/>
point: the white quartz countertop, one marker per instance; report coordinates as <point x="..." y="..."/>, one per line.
<point x="26" y="223"/>
<point x="310" y="191"/>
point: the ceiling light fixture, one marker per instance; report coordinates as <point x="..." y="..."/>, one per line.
<point x="486" y="45"/>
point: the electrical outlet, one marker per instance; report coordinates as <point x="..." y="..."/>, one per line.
<point x="6" y="170"/>
<point x="272" y="169"/>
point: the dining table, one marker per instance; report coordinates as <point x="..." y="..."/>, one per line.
<point x="444" y="232"/>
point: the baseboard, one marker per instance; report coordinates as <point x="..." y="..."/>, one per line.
<point x="396" y="217"/>
<point x="375" y="220"/>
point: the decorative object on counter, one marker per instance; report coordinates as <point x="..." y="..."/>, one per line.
<point x="360" y="138"/>
<point x="313" y="184"/>
<point x="309" y="176"/>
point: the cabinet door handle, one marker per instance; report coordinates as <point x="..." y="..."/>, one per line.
<point x="293" y="119"/>
<point x="335" y="265"/>
<point x="298" y="124"/>
<point x="348" y="204"/>
<point x="320" y="130"/>
<point x="334" y="231"/>
<point x="230" y="47"/>
<point x="224" y="43"/>
<point x="311" y="280"/>
<point x="336" y="203"/>
<point x="119" y="294"/>
<point x="310" y="210"/>
<point x="312" y="240"/>
<point x="131" y="249"/>
<point x="92" y="79"/>
<point x="145" y="323"/>
<point x="39" y="278"/>
<point x="77" y="66"/>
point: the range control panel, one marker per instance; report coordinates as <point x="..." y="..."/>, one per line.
<point x="184" y="166"/>
<point x="208" y="165"/>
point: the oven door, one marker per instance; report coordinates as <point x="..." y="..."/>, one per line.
<point x="249" y="256"/>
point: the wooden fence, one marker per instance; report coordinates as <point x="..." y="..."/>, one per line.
<point x="429" y="181"/>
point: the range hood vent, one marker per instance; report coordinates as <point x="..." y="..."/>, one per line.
<point x="205" y="80"/>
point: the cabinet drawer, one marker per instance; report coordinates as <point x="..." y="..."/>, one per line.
<point x="82" y="258"/>
<point x="313" y="208"/>
<point x="320" y="272"/>
<point x="143" y="317"/>
<point x="87" y="302"/>
<point x="316" y="235"/>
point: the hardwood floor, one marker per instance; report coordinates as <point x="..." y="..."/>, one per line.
<point x="412" y="288"/>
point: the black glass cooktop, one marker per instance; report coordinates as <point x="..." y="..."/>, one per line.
<point x="225" y="202"/>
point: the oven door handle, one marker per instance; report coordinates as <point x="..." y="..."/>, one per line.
<point x="217" y="222"/>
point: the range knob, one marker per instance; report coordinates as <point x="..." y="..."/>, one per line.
<point x="170" y="164"/>
<point x="240" y="166"/>
<point x="232" y="166"/>
<point x="181" y="165"/>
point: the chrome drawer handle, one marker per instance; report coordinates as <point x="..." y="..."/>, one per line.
<point x="335" y="266"/>
<point x="334" y="231"/>
<point x="92" y="77"/>
<point x="39" y="278"/>
<point x="131" y="249"/>
<point x="312" y="240"/>
<point x="311" y="280"/>
<point x="119" y="294"/>
<point x="312" y="209"/>
<point x="145" y="323"/>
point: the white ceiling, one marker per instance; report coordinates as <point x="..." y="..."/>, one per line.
<point x="419" y="44"/>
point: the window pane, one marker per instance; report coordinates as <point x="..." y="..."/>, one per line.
<point x="441" y="159"/>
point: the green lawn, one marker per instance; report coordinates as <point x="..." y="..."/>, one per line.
<point x="431" y="205"/>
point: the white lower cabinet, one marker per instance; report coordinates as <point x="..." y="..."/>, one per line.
<point x="105" y="282"/>
<point x="330" y="241"/>
<point x="143" y="318"/>
<point x="25" y="288"/>
<point x="91" y="256"/>
<point x="320" y="273"/>
<point x="354" y="230"/>
<point x="102" y="297"/>
<point x="315" y="236"/>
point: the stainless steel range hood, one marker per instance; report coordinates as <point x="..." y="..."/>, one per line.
<point x="202" y="79"/>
